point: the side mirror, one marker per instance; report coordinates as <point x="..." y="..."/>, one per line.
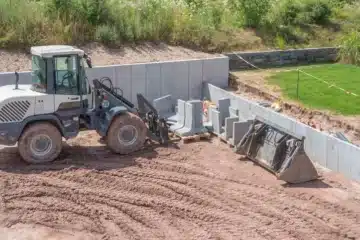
<point x="88" y="60"/>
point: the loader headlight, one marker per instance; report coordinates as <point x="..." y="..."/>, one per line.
<point x="105" y="103"/>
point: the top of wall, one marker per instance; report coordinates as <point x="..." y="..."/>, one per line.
<point x="218" y="56"/>
<point x="276" y="58"/>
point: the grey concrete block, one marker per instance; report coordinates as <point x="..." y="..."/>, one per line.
<point x="244" y="108"/>
<point x="282" y="120"/>
<point x="175" y="79"/>
<point x="233" y="112"/>
<point x="24" y="78"/>
<point x="257" y="110"/>
<point x="138" y="81"/>
<point x="215" y="121"/>
<point x="315" y="146"/>
<point x="193" y="119"/>
<point x="332" y="155"/>
<point x="223" y="107"/>
<point x="165" y="107"/>
<point x="216" y="71"/>
<point x="195" y="79"/>
<point x="123" y="80"/>
<point x="180" y="116"/>
<point x="299" y="128"/>
<point x="153" y="81"/>
<point x="239" y="130"/>
<point x="9" y="78"/>
<point x="100" y="72"/>
<point x="348" y="160"/>
<point x="229" y="127"/>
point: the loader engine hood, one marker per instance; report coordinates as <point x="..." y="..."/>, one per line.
<point x="8" y="92"/>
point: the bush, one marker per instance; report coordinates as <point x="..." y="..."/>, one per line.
<point x="106" y="34"/>
<point x="289" y="12"/>
<point x="283" y="12"/>
<point x="250" y="13"/>
<point x="315" y="12"/>
<point x="350" y="48"/>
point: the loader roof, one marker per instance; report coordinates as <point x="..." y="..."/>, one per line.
<point x="53" y="50"/>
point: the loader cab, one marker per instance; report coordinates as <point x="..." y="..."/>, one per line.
<point x="59" y="70"/>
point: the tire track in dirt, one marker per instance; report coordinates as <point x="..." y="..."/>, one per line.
<point x="314" y="216"/>
<point x="174" y="187"/>
<point x="174" y="195"/>
<point x="252" y="196"/>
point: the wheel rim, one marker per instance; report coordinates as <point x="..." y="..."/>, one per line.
<point x="127" y="135"/>
<point x="41" y="145"/>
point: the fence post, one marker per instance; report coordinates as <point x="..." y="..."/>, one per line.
<point x="297" y="84"/>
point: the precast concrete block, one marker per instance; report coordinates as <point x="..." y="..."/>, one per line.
<point x="193" y="119"/>
<point x="165" y="107"/>
<point x="180" y="116"/>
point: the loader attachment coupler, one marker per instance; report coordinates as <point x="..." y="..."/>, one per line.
<point x="157" y="126"/>
<point x="278" y="150"/>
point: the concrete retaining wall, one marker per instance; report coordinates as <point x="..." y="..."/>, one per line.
<point x="282" y="57"/>
<point x="182" y="79"/>
<point x="321" y="148"/>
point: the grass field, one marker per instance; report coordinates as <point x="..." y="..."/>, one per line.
<point x="314" y="93"/>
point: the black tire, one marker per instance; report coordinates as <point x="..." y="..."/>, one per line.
<point x="30" y="151"/>
<point x="132" y="123"/>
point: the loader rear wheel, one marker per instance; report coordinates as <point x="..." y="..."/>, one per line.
<point x="40" y="143"/>
<point x="127" y="134"/>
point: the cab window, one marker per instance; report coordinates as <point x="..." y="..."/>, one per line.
<point x="66" y="75"/>
<point x="38" y="74"/>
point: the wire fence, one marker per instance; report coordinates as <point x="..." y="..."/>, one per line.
<point x="300" y="82"/>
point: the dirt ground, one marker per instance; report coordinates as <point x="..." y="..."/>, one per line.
<point x="253" y="86"/>
<point x="194" y="191"/>
<point x="100" y="55"/>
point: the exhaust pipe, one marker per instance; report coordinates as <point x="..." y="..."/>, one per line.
<point x="17" y="80"/>
<point x="277" y="150"/>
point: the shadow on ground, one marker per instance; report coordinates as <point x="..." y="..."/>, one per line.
<point x="318" y="183"/>
<point x="81" y="157"/>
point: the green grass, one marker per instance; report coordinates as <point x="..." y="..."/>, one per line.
<point x="316" y="94"/>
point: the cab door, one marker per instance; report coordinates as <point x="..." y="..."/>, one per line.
<point x="67" y="102"/>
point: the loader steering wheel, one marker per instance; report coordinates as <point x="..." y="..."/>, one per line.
<point x="67" y="76"/>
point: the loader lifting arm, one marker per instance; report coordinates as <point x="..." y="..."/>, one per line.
<point x="157" y="128"/>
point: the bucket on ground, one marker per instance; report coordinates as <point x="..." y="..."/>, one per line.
<point x="278" y="150"/>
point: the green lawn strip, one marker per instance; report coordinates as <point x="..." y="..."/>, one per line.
<point x="317" y="94"/>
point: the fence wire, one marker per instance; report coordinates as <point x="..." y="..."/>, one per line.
<point x="330" y="85"/>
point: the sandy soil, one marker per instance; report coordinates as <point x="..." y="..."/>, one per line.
<point x="252" y="85"/>
<point x="196" y="191"/>
<point x="100" y="55"/>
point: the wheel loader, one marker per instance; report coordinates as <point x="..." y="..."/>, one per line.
<point x="61" y="102"/>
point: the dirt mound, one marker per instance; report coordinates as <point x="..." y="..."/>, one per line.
<point x="100" y="55"/>
<point x="196" y="191"/>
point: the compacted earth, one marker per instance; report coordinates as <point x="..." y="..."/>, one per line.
<point x="200" y="190"/>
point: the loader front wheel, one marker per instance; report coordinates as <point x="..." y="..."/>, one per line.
<point x="127" y="134"/>
<point x="40" y="143"/>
